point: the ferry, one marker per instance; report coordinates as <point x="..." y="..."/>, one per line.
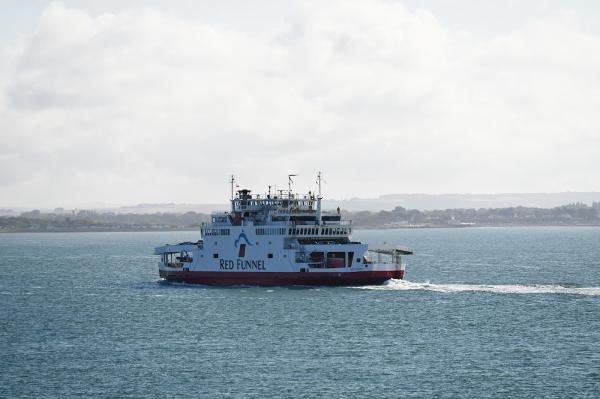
<point x="278" y="239"/>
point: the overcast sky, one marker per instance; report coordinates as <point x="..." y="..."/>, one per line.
<point x="123" y="102"/>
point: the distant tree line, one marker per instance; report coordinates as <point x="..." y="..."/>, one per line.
<point x="568" y="215"/>
<point x="95" y="221"/>
<point x="572" y="214"/>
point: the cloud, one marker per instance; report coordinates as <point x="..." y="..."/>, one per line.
<point x="147" y="106"/>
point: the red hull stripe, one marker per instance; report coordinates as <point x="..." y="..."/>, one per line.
<point x="278" y="279"/>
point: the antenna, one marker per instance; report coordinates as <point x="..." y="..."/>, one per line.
<point x="269" y="191"/>
<point x="290" y="181"/>
<point x="232" y="181"/>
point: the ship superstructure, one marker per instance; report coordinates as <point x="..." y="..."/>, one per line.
<point x="279" y="238"/>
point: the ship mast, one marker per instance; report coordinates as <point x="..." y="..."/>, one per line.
<point x="319" y="180"/>
<point x="290" y="181"/>
<point x="232" y="182"/>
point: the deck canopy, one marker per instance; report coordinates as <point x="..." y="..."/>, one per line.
<point x="393" y="251"/>
<point x="175" y="248"/>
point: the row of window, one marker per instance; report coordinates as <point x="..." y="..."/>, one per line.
<point x="270" y="231"/>
<point x="296" y="231"/>
<point x="274" y="202"/>
<point x="324" y="231"/>
<point x="215" y="232"/>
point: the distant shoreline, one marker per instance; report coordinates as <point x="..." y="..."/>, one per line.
<point x="570" y="215"/>
<point x="99" y="230"/>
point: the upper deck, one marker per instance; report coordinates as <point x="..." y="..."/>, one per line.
<point x="287" y="209"/>
<point x="288" y="203"/>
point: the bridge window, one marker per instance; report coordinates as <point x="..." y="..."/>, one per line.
<point x="215" y="256"/>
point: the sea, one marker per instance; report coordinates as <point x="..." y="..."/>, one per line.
<point x="483" y="313"/>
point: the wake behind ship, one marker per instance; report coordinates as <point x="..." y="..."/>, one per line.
<point x="275" y="240"/>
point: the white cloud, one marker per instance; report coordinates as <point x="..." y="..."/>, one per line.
<point x="143" y="107"/>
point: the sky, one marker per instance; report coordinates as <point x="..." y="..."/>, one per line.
<point x="126" y="102"/>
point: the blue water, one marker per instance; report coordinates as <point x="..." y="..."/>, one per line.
<point x="485" y="313"/>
